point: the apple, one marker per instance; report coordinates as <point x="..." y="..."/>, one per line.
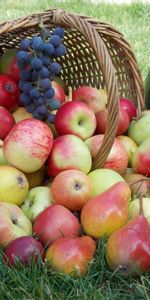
<point x="28" y="145"/>
<point x="59" y="91"/>
<point x="7" y="122"/>
<point x="117" y="159"/>
<point x="8" y="64"/>
<point x="62" y="83"/>
<point x="69" y="152"/>
<point x="2" y="158"/>
<point x="129" y="145"/>
<point x="21" y="114"/>
<point x="13" y="185"/>
<point x="71" y="188"/>
<point x="135" y="209"/>
<point x="139" y="184"/>
<point x="54" y="222"/>
<point x="123" y="123"/>
<point x="71" y="255"/>
<point x="23" y="250"/>
<point x="94" y="98"/>
<point x="129" y="107"/>
<point x="75" y="117"/>
<point x="139" y="129"/>
<point x="36" y="201"/>
<point x="103" y="179"/>
<point x="13" y="223"/>
<point x="9" y="93"/>
<point x="36" y="178"/>
<point x="141" y="159"/>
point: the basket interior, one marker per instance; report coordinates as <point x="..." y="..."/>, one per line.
<point x="80" y="65"/>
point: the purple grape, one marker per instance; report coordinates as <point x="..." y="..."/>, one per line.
<point x="55" y="40"/>
<point x="44" y="72"/>
<point x="34" y="93"/>
<point x="35" y="39"/>
<point x="39" y="101"/>
<point x="39" y="46"/>
<point x="59" y="31"/>
<point x="25" y="75"/>
<point x="51" y="118"/>
<point x="46" y="60"/>
<point x="60" y="50"/>
<point x="48" y="49"/>
<point x="27" y="87"/>
<point x="54" y="104"/>
<point x="25" y="99"/>
<point x="49" y="93"/>
<point x="34" y="76"/>
<point x="21" y="84"/>
<point x="30" y="108"/>
<point x="55" y="68"/>
<point x="36" y="115"/>
<point x="25" y="44"/>
<point x="45" y="83"/>
<point x="23" y="57"/>
<point x="36" y="63"/>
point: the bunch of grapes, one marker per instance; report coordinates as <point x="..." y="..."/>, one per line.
<point x="36" y="59"/>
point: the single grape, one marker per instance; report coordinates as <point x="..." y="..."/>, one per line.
<point x="30" y="108"/>
<point x="35" y="39"/>
<point x="49" y="93"/>
<point x="25" y="75"/>
<point x="21" y="65"/>
<point x="59" y="31"/>
<point x="51" y="118"/>
<point x="42" y="110"/>
<point x="55" y="40"/>
<point x="44" y="72"/>
<point x="34" y="76"/>
<point x="48" y="49"/>
<point x="25" y="44"/>
<point x="21" y="84"/>
<point x="36" y="115"/>
<point x="38" y="46"/>
<point x="34" y="93"/>
<point x="55" y="68"/>
<point x="46" y="60"/>
<point x="23" y="57"/>
<point x="27" y="87"/>
<point x="36" y="63"/>
<point x="60" y="50"/>
<point x="25" y="99"/>
<point x="54" y="104"/>
<point x="45" y="83"/>
<point x="39" y="101"/>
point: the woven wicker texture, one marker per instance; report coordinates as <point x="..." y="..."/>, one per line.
<point x="97" y="55"/>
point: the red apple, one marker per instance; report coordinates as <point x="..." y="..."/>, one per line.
<point x="23" y="249"/>
<point x="71" y="188"/>
<point x="9" y="92"/>
<point x="59" y="92"/>
<point x="8" y="65"/>
<point x="117" y="159"/>
<point x="54" y="222"/>
<point x="96" y="99"/>
<point x="75" y="117"/>
<point x="129" y="107"/>
<point x="71" y="255"/>
<point x="28" y="145"/>
<point x="69" y="152"/>
<point x="123" y="124"/>
<point x="7" y="122"/>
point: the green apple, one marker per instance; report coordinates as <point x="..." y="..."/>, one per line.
<point x="139" y="129"/>
<point x="134" y="208"/>
<point x="103" y="179"/>
<point x="37" y="200"/>
<point x="2" y="158"/>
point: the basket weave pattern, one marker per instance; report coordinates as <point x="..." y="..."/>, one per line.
<point x="97" y="55"/>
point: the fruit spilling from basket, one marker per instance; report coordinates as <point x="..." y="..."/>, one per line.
<point x="53" y="206"/>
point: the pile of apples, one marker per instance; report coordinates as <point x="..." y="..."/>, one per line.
<point x="53" y="205"/>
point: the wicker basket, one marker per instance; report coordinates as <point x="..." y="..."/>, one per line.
<point x="98" y="55"/>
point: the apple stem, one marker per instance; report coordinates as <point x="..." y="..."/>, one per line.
<point x="69" y="98"/>
<point x="141" y="205"/>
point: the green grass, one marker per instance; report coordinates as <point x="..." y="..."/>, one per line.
<point x="131" y="20"/>
<point x="40" y="283"/>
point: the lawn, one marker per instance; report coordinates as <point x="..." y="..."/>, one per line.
<point x="40" y="283"/>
